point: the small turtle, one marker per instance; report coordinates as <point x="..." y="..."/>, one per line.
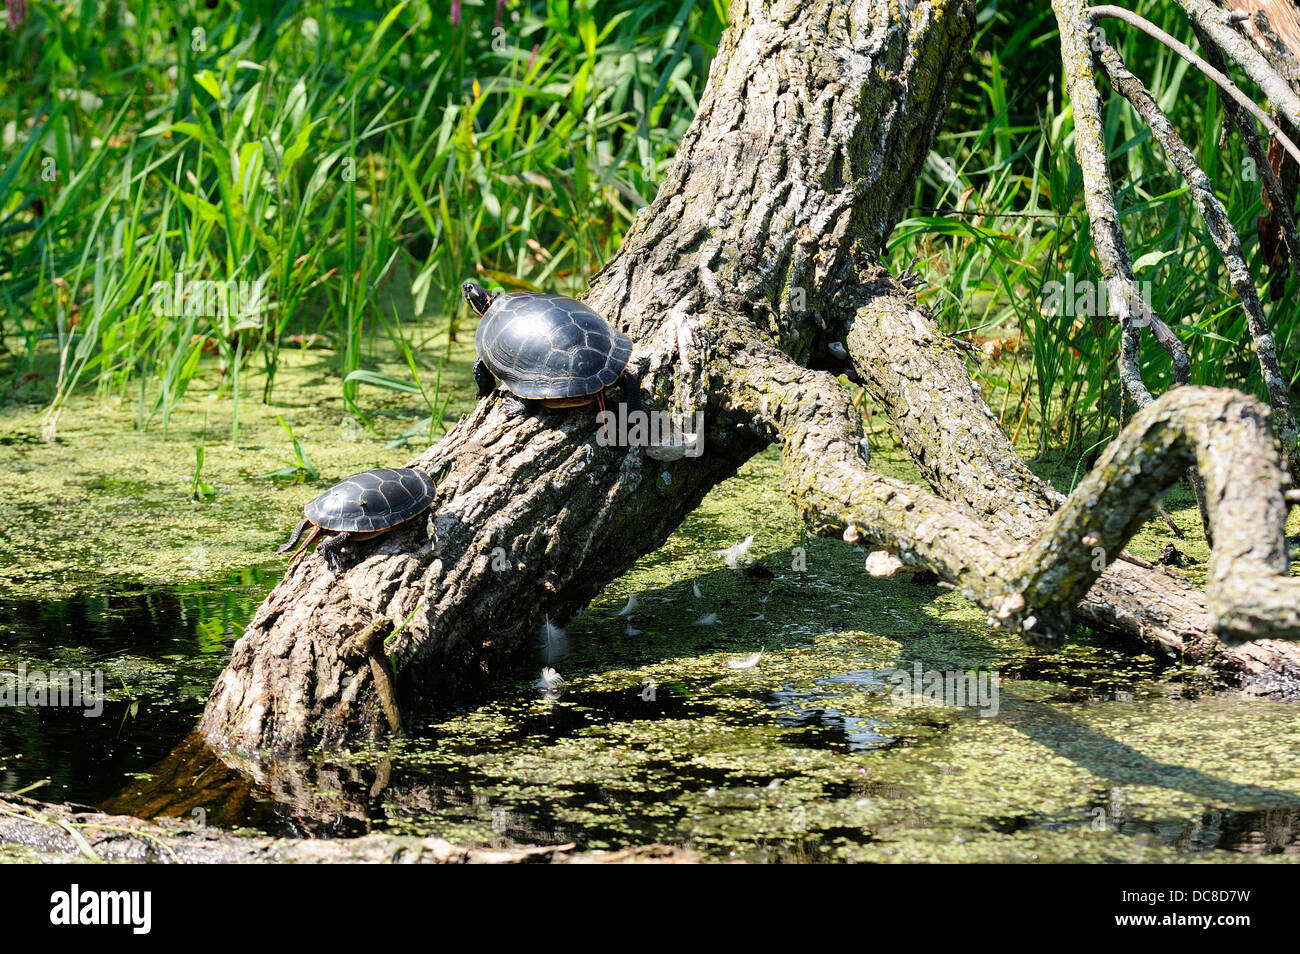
<point x="548" y="350"/>
<point x="363" y="506"/>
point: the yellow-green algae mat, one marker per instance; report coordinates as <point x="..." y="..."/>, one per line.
<point x="1093" y="754"/>
<point x="94" y="497"/>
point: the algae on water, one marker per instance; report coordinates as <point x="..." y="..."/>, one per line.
<point x="1093" y="754"/>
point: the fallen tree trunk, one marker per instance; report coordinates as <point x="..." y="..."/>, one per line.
<point x="756" y="264"/>
<point x="920" y="376"/>
<point x="815" y="122"/>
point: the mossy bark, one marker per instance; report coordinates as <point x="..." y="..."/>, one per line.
<point x="740" y="284"/>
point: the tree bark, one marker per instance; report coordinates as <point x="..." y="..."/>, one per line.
<point x="815" y="122"/>
<point x="751" y="277"/>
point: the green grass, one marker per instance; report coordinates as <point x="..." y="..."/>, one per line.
<point x="1013" y="220"/>
<point x="351" y="165"/>
<point x="319" y="154"/>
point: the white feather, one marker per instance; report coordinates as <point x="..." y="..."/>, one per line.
<point x="745" y="662"/>
<point x="550" y="681"/>
<point x="708" y="620"/>
<point x="699" y="593"/>
<point x="733" y="555"/>
<point x="554" y="642"/>
<point x="629" y="608"/>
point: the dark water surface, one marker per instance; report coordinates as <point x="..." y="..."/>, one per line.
<point x="158" y="651"/>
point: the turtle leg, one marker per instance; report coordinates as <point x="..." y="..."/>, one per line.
<point x="632" y="392"/>
<point x="484" y="379"/>
<point x="293" y="538"/>
<point x="515" y="406"/>
<point x="330" y="549"/>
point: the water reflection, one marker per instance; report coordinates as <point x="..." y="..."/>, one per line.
<point x="813" y="710"/>
<point x="159" y="650"/>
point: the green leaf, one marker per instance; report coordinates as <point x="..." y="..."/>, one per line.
<point x="209" y="82"/>
<point x="1152" y="259"/>
<point x="382" y="381"/>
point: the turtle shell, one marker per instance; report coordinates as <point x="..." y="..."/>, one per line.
<point x="550" y="346"/>
<point x="374" y="501"/>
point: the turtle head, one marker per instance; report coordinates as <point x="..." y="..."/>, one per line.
<point x="479" y="298"/>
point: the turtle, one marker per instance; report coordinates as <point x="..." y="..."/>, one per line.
<point x="362" y="506"/>
<point x="548" y="350"/>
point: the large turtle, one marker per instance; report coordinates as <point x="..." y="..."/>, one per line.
<point x="363" y="506"/>
<point x="548" y="350"/>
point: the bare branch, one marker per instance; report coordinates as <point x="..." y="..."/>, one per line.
<point x="1219" y="26"/>
<point x="1125" y="298"/>
<point x="1227" y="436"/>
<point x="1033" y="590"/>
<point x="1108" y="238"/>
<point x="1281" y="204"/>
<point x="915" y="373"/>
<point x="1222" y="233"/>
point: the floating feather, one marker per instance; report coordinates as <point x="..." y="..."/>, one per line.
<point x="733" y="555"/>
<point x="554" y="642"/>
<point x="745" y="662"/>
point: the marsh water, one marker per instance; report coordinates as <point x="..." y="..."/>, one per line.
<point x="745" y="713"/>
<point x="796" y="758"/>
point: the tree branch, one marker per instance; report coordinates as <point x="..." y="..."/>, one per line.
<point x="1033" y="589"/>
<point x="1219" y="25"/>
<point x="1125" y="298"/>
<point x="1279" y="202"/>
<point x="1221" y="80"/>
<point x="1223" y="235"/>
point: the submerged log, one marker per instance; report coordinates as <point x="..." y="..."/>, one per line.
<point x="38" y="832"/>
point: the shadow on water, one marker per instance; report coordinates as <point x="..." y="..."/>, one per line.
<point x="159" y="650"/>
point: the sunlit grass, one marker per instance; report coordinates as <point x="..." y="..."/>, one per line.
<point x="999" y="214"/>
<point x="316" y="153"/>
<point x="351" y="166"/>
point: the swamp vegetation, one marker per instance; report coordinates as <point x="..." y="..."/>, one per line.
<point x="150" y="464"/>
<point x="1094" y="754"/>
